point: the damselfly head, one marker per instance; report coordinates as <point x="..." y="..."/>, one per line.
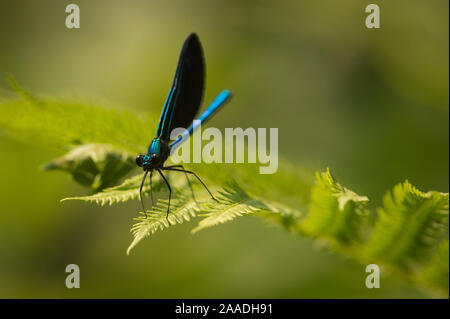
<point x="145" y="161"/>
<point x="148" y="162"/>
<point x="140" y="160"/>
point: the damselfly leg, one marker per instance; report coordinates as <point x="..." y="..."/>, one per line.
<point x="170" y="192"/>
<point x="187" y="178"/>
<point x="140" y="193"/>
<point x="168" y="168"/>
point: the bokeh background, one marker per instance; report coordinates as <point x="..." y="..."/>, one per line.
<point x="372" y="104"/>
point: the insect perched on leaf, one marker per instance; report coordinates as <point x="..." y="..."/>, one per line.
<point x="180" y="108"/>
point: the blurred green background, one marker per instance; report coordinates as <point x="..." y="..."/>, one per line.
<point x="372" y="104"/>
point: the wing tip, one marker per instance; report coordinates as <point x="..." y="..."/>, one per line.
<point x="192" y="37"/>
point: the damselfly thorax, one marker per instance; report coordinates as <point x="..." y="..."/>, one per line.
<point x="157" y="154"/>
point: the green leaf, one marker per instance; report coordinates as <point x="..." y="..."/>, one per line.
<point x="409" y="225"/>
<point x="336" y="213"/>
<point x="94" y="165"/>
<point x="129" y="190"/>
<point x="58" y="123"/>
<point x="181" y="209"/>
<point x="436" y="272"/>
<point x="233" y="201"/>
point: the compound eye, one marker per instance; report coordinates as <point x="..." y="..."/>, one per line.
<point x="139" y="160"/>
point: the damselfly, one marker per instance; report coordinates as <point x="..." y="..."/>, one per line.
<point x="180" y="108"/>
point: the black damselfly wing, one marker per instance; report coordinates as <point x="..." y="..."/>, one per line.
<point x="185" y="95"/>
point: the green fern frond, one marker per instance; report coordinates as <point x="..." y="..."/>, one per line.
<point x="181" y="209"/>
<point x="436" y="272"/>
<point x="59" y="123"/>
<point x="233" y="202"/>
<point x="343" y="195"/>
<point x="409" y="225"/>
<point x="94" y="165"/>
<point x="336" y="213"/>
<point x="128" y="190"/>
